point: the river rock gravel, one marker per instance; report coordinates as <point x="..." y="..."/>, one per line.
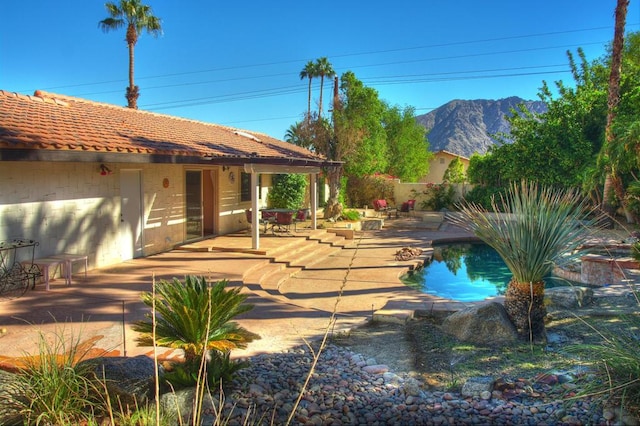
<point x="349" y="388"/>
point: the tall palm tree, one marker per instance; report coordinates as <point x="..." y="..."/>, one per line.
<point x="533" y="229"/>
<point x="309" y="71"/>
<point x="323" y="69"/>
<point x="136" y="17"/>
<point x="612" y="181"/>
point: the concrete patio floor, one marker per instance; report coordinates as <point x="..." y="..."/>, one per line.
<point x="101" y="307"/>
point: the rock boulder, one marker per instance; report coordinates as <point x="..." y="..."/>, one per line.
<point x="484" y="324"/>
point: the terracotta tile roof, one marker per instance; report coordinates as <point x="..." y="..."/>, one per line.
<point x="47" y="121"/>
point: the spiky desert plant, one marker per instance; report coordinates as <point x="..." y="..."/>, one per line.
<point x="196" y="318"/>
<point x="532" y="228"/>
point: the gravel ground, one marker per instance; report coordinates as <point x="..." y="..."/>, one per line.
<point x="347" y="388"/>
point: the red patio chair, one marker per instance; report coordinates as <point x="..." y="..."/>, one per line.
<point x="283" y="222"/>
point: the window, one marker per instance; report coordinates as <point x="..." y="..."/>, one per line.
<point x="442" y="161"/>
<point x="245" y="186"/>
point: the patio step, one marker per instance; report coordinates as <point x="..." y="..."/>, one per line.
<point x="294" y="256"/>
<point x="332" y="239"/>
<point x="311" y="254"/>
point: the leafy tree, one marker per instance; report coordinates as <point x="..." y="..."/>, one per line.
<point x="136" y="17"/>
<point x="408" y="149"/>
<point x="455" y="172"/>
<point x="358" y="123"/>
<point x="310" y="71"/>
<point x="367" y="135"/>
<point x="554" y="148"/>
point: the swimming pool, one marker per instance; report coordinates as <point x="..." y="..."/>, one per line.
<point x="466" y="272"/>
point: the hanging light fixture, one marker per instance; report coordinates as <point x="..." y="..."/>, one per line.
<point x="104" y="170"/>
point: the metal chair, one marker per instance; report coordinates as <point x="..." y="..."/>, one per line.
<point x="283" y="222"/>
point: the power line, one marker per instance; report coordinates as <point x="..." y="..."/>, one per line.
<point x="259" y="65"/>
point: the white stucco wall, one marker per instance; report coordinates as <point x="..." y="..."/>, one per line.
<point x="71" y="207"/>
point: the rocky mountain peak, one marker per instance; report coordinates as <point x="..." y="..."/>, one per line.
<point x="468" y="126"/>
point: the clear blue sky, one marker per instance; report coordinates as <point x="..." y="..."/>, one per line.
<point x="237" y="63"/>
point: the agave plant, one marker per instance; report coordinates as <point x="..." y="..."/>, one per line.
<point x="195" y="317"/>
<point x="532" y="228"/>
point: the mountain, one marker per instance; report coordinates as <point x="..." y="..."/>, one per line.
<point x="466" y="126"/>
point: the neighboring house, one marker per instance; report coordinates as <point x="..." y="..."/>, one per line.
<point x="439" y="163"/>
<point x="117" y="183"/>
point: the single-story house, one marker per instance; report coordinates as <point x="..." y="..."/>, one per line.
<point x="439" y="164"/>
<point x="116" y="183"/>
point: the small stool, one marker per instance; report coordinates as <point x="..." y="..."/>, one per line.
<point x="44" y="266"/>
<point x="68" y="259"/>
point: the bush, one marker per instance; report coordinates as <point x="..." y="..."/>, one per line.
<point x="635" y="251"/>
<point x="365" y="190"/>
<point x="288" y="191"/>
<point x="439" y="196"/>
<point x="351" y="215"/>
<point x="195" y="317"/>
<point x="481" y="195"/>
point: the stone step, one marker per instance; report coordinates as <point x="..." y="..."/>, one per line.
<point x="266" y="278"/>
<point x="312" y="255"/>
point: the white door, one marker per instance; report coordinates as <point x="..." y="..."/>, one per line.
<point x="131" y="218"/>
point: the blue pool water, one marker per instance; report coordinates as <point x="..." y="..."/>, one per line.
<point x="467" y="272"/>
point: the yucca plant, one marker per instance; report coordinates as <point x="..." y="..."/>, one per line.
<point x="196" y="318"/>
<point x="532" y="228"/>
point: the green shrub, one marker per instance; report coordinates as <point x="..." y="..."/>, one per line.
<point x="481" y="195"/>
<point x="196" y="318"/>
<point x="363" y="191"/>
<point x="439" y="196"/>
<point x="287" y="191"/>
<point x="635" y="251"/>
<point x="351" y="215"/>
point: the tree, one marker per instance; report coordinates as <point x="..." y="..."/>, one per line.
<point x="364" y="133"/>
<point x="407" y="146"/>
<point x="554" y="148"/>
<point x="542" y="227"/>
<point x="310" y="72"/>
<point x="136" y="17"/>
<point x="455" y="172"/>
<point x="612" y="180"/>
<point x="323" y="69"/>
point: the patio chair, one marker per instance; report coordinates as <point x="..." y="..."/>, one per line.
<point x="261" y="221"/>
<point x="408" y="206"/>
<point x="381" y="207"/>
<point x="283" y="222"/>
<point x="301" y="216"/>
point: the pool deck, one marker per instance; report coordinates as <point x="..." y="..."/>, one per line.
<point x="335" y="293"/>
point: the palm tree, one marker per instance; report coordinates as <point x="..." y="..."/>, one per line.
<point x="323" y="69"/>
<point x="533" y="229"/>
<point x="195" y="317"/>
<point x="309" y="71"/>
<point x="136" y="17"/>
<point x="612" y="180"/>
